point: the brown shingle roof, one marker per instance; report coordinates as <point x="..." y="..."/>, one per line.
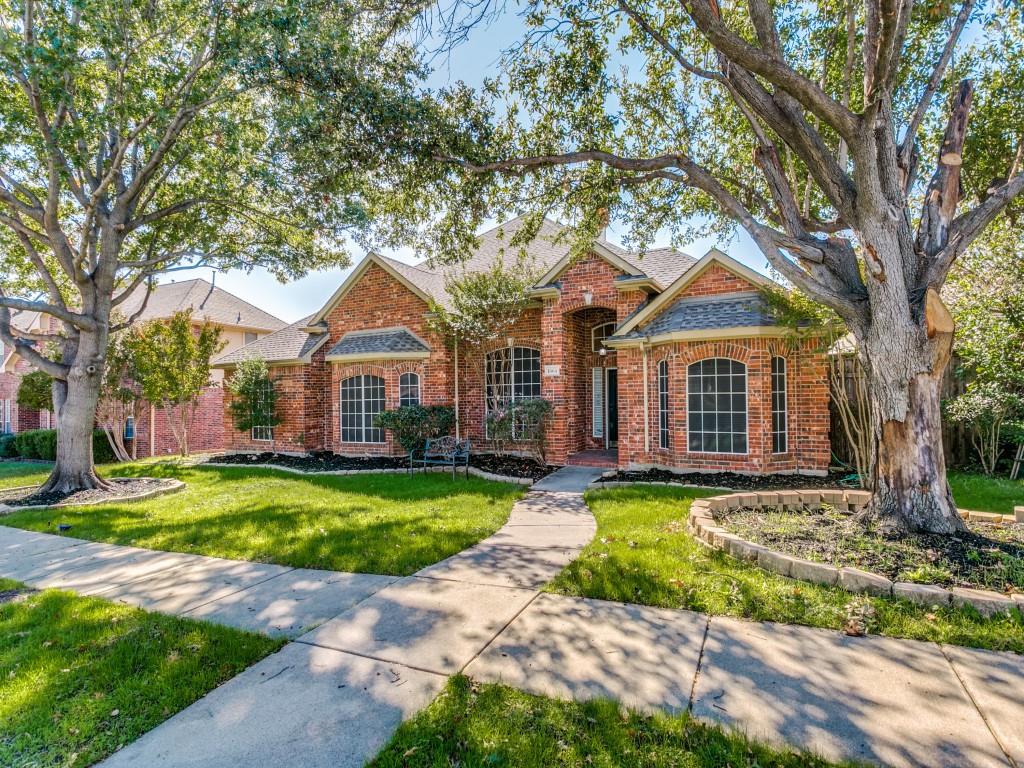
<point x="289" y="344"/>
<point x="205" y="301"/>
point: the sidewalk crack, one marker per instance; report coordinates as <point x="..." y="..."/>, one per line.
<point x="700" y="662"/>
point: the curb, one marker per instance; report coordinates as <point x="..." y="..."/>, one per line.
<point x="706" y="529"/>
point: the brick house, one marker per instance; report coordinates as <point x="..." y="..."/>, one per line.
<point x="240" y="323"/>
<point x="648" y="360"/>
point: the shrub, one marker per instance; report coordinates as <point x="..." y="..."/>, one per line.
<point x="102" y="452"/>
<point x="522" y="421"/>
<point x="8" y="450"/>
<point x="985" y="407"/>
<point x="36" y="444"/>
<point x="413" y="425"/>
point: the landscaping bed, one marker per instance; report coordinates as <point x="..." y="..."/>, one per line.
<point x="985" y="556"/>
<point x="323" y="461"/>
<point x="731" y="480"/>
<point x="122" y="488"/>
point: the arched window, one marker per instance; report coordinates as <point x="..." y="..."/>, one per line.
<point x="717" y="406"/>
<point x="511" y="373"/>
<point x="599" y="333"/>
<point x="779" y="410"/>
<point x="409" y="389"/>
<point x="362" y="398"/>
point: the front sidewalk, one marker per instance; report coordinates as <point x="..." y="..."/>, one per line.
<point x="384" y="648"/>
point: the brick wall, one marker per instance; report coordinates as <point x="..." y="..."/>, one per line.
<point x="713" y="280"/>
<point x="206" y="432"/>
<point x="22" y="419"/>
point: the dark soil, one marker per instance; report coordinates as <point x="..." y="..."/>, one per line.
<point x="731" y="480"/>
<point x="509" y="466"/>
<point x="14" y="595"/>
<point x="985" y="556"/>
<point x="122" y="487"/>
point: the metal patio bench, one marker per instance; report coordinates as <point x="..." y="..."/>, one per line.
<point x="446" y="451"/>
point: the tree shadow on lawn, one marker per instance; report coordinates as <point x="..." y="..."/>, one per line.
<point x="369" y="524"/>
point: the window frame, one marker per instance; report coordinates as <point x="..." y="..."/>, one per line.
<point x="596" y="345"/>
<point x="690" y="412"/>
<point x="362" y="428"/>
<point x="782" y="412"/>
<point x="514" y="388"/>
<point x="664" y="434"/>
<point x="262" y="433"/>
<point x="403" y="387"/>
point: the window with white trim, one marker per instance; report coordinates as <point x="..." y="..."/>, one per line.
<point x="599" y="333"/>
<point x="663" y="432"/>
<point x="409" y="389"/>
<point x="779" y="406"/>
<point x="511" y="373"/>
<point x="129" y="428"/>
<point x="717" y="406"/>
<point x="263" y="433"/>
<point x="5" y="416"/>
<point x="362" y="399"/>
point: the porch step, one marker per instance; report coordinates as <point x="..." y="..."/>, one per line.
<point x="594" y="458"/>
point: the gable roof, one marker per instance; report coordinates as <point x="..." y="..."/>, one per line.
<point x="662" y="300"/>
<point x="746" y="309"/>
<point x="291" y="344"/>
<point x="395" y="343"/>
<point x="204" y="301"/>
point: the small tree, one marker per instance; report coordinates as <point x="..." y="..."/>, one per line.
<point x="520" y="421"/>
<point x="119" y="395"/>
<point x="35" y="391"/>
<point x="171" y="365"/>
<point x="985" y="408"/>
<point x="253" y="396"/>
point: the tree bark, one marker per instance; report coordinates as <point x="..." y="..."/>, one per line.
<point x="76" y="418"/>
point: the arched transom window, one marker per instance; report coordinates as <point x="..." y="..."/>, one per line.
<point x="362" y="398"/>
<point x="717" y="406"/>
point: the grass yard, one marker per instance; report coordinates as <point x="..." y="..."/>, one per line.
<point x="388" y="524"/>
<point x="80" y="677"/>
<point x="643" y="554"/>
<point x="17" y="473"/>
<point x="492" y="725"/>
<point x="986" y="494"/>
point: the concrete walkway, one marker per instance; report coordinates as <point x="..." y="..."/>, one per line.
<point x="383" y="647"/>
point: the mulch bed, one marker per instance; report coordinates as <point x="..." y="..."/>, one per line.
<point x="985" y="556"/>
<point x="730" y="480"/>
<point x="122" y="487"/>
<point x="509" y="466"/>
<point x="15" y="595"/>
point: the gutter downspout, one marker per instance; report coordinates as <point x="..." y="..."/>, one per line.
<point x="457" y="435"/>
<point x="647" y="403"/>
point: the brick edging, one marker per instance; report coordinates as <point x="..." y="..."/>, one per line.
<point x="705" y="528"/>
<point x="396" y="471"/>
<point x="173" y="487"/>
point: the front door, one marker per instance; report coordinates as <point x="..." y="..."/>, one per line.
<point x="611" y="389"/>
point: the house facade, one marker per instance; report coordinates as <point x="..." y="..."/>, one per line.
<point x="648" y="360"/>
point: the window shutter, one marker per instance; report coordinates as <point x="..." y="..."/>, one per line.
<point x="597" y="399"/>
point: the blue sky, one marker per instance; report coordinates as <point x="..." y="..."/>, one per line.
<point x="470" y="62"/>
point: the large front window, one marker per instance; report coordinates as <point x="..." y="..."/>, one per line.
<point x="663" y="432"/>
<point x="362" y="398"/>
<point x="512" y="374"/>
<point x="717" y="406"/>
<point x="263" y="432"/>
<point x="779" y="405"/>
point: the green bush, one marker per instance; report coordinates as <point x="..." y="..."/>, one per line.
<point x="524" y="422"/>
<point x="8" y="450"/>
<point x="102" y="453"/>
<point x="413" y="425"/>
<point x="36" y="444"/>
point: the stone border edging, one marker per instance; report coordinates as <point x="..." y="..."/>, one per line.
<point x="597" y="484"/>
<point x="706" y="529"/>
<point x="396" y="471"/>
<point x="173" y="487"/>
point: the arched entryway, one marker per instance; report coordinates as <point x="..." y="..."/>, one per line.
<point x="592" y="382"/>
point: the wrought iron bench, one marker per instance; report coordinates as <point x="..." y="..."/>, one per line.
<point x="446" y="451"/>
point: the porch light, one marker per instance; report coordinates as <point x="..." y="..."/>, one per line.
<point x="588" y="297"/>
<point x="602" y="351"/>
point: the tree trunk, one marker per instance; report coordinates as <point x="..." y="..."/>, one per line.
<point x="905" y="362"/>
<point x="76" y="417"/>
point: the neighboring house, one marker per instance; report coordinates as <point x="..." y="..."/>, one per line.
<point x="240" y="322"/>
<point x="648" y="360"/>
<point x="13" y="417"/>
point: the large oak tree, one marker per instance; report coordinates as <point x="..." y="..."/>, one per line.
<point x="143" y="137"/>
<point x="861" y="144"/>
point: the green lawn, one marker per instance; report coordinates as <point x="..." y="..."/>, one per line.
<point x="475" y="726"/>
<point x="643" y="554"/>
<point x="80" y="676"/>
<point x="390" y="524"/>
<point x="986" y="494"/>
<point x="14" y="474"/>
